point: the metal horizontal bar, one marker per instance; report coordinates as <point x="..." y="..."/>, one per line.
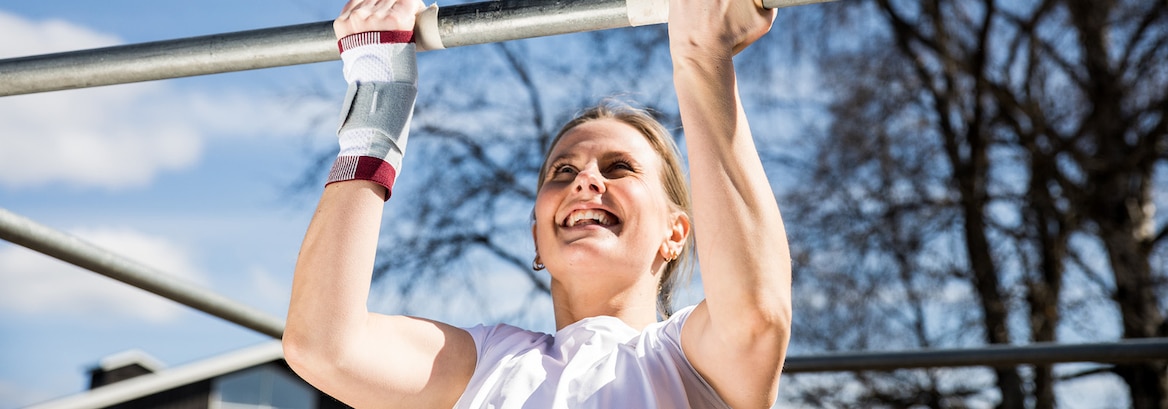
<point x="458" y="25"/>
<point x="70" y="249"/>
<point x="239" y="51"/>
<point x="449" y="26"/>
<point x="506" y="20"/>
<point x="1125" y="351"/>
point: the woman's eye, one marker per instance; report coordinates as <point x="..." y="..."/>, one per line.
<point x="560" y="171"/>
<point x="621" y="166"/>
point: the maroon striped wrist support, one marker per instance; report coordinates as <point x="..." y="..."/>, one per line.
<point x="375" y="37"/>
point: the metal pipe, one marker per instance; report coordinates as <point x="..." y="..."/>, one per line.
<point x="239" y="51"/>
<point x="449" y="26"/>
<point x="1124" y="351"/>
<point x="73" y="250"/>
<point x="138" y="387"/>
<point x="497" y="21"/>
<point x="25" y="232"/>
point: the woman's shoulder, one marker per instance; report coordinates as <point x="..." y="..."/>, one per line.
<point x="486" y="335"/>
<point x="671" y="327"/>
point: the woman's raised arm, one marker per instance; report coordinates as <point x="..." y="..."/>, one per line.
<point x="737" y="338"/>
<point x="364" y="359"/>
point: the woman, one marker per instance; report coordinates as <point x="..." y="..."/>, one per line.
<point x="609" y="224"/>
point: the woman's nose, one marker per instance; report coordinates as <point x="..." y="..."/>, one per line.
<point x="589" y="179"/>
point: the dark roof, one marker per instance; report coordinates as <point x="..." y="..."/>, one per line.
<point x="167" y="379"/>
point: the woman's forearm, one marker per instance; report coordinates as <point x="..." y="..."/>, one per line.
<point x="742" y="243"/>
<point x="331" y="283"/>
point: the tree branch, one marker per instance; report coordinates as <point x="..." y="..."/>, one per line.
<point x="533" y="95"/>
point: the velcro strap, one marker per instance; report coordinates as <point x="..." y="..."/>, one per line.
<point x="383" y="107"/>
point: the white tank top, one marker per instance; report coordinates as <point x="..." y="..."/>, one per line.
<point x="598" y="362"/>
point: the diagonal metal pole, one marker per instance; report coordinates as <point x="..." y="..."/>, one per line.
<point x="437" y="28"/>
<point x="70" y="249"/>
<point x="25" y="232"/>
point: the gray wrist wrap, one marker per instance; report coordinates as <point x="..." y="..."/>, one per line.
<point x="381" y="107"/>
<point x="375" y="119"/>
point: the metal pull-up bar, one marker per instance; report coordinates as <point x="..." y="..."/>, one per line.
<point x="437" y="28"/>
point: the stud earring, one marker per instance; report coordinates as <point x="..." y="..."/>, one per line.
<point x="672" y="256"/>
<point x="536" y="265"/>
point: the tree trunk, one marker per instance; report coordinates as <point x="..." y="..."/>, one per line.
<point x="967" y="148"/>
<point x="1141" y="317"/>
<point x="1118" y="178"/>
<point x="1051" y="229"/>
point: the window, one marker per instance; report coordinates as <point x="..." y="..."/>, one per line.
<point x="263" y="387"/>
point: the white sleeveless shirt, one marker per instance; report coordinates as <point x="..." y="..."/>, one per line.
<point x="598" y="362"/>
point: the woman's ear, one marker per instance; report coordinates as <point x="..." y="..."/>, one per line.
<point x="679" y="230"/>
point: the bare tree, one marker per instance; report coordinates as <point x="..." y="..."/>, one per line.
<point x="1045" y="122"/>
<point x="964" y="161"/>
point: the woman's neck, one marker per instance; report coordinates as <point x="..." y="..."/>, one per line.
<point x="636" y="306"/>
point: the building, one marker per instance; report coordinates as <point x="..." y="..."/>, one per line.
<point x="252" y="378"/>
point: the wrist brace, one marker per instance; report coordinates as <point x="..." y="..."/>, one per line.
<point x="381" y="69"/>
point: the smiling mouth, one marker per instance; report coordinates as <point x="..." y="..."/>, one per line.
<point x="590" y="217"/>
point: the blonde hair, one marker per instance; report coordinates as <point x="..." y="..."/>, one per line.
<point x="672" y="176"/>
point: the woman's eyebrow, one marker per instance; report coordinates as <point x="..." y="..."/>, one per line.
<point x="604" y="157"/>
<point x="560" y="157"/>
<point x="611" y="155"/>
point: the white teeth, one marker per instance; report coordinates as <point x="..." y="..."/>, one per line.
<point x="593" y="216"/>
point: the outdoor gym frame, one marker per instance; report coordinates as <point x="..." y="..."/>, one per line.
<point x="451" y="26"/>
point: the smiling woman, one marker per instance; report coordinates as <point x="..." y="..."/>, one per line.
<point x="661" y="162"/>
<point x="612" y="224"/>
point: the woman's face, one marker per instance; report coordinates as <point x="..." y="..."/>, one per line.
<point x="602" y="209"/>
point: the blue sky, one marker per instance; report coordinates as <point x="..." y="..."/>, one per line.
<point x="190" y="176"/>
<point x="187" y="175"/>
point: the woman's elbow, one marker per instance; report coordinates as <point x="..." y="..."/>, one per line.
<point x="770" y="319"/>
<point x="298" y="354"/>
<point x="775" y="320"/>
<point x="306" y="354"/>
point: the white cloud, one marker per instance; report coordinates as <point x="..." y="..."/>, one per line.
<point x="261" y="114"/>
<point x="112" y="137"/>
<point x="268" y="289"/>
<point x="120" y="136"/>
<point x="22" y="394"/>
<point x="48" y="36"/>
<point x="37" y="284"/>
<point x="103" y="137"/>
